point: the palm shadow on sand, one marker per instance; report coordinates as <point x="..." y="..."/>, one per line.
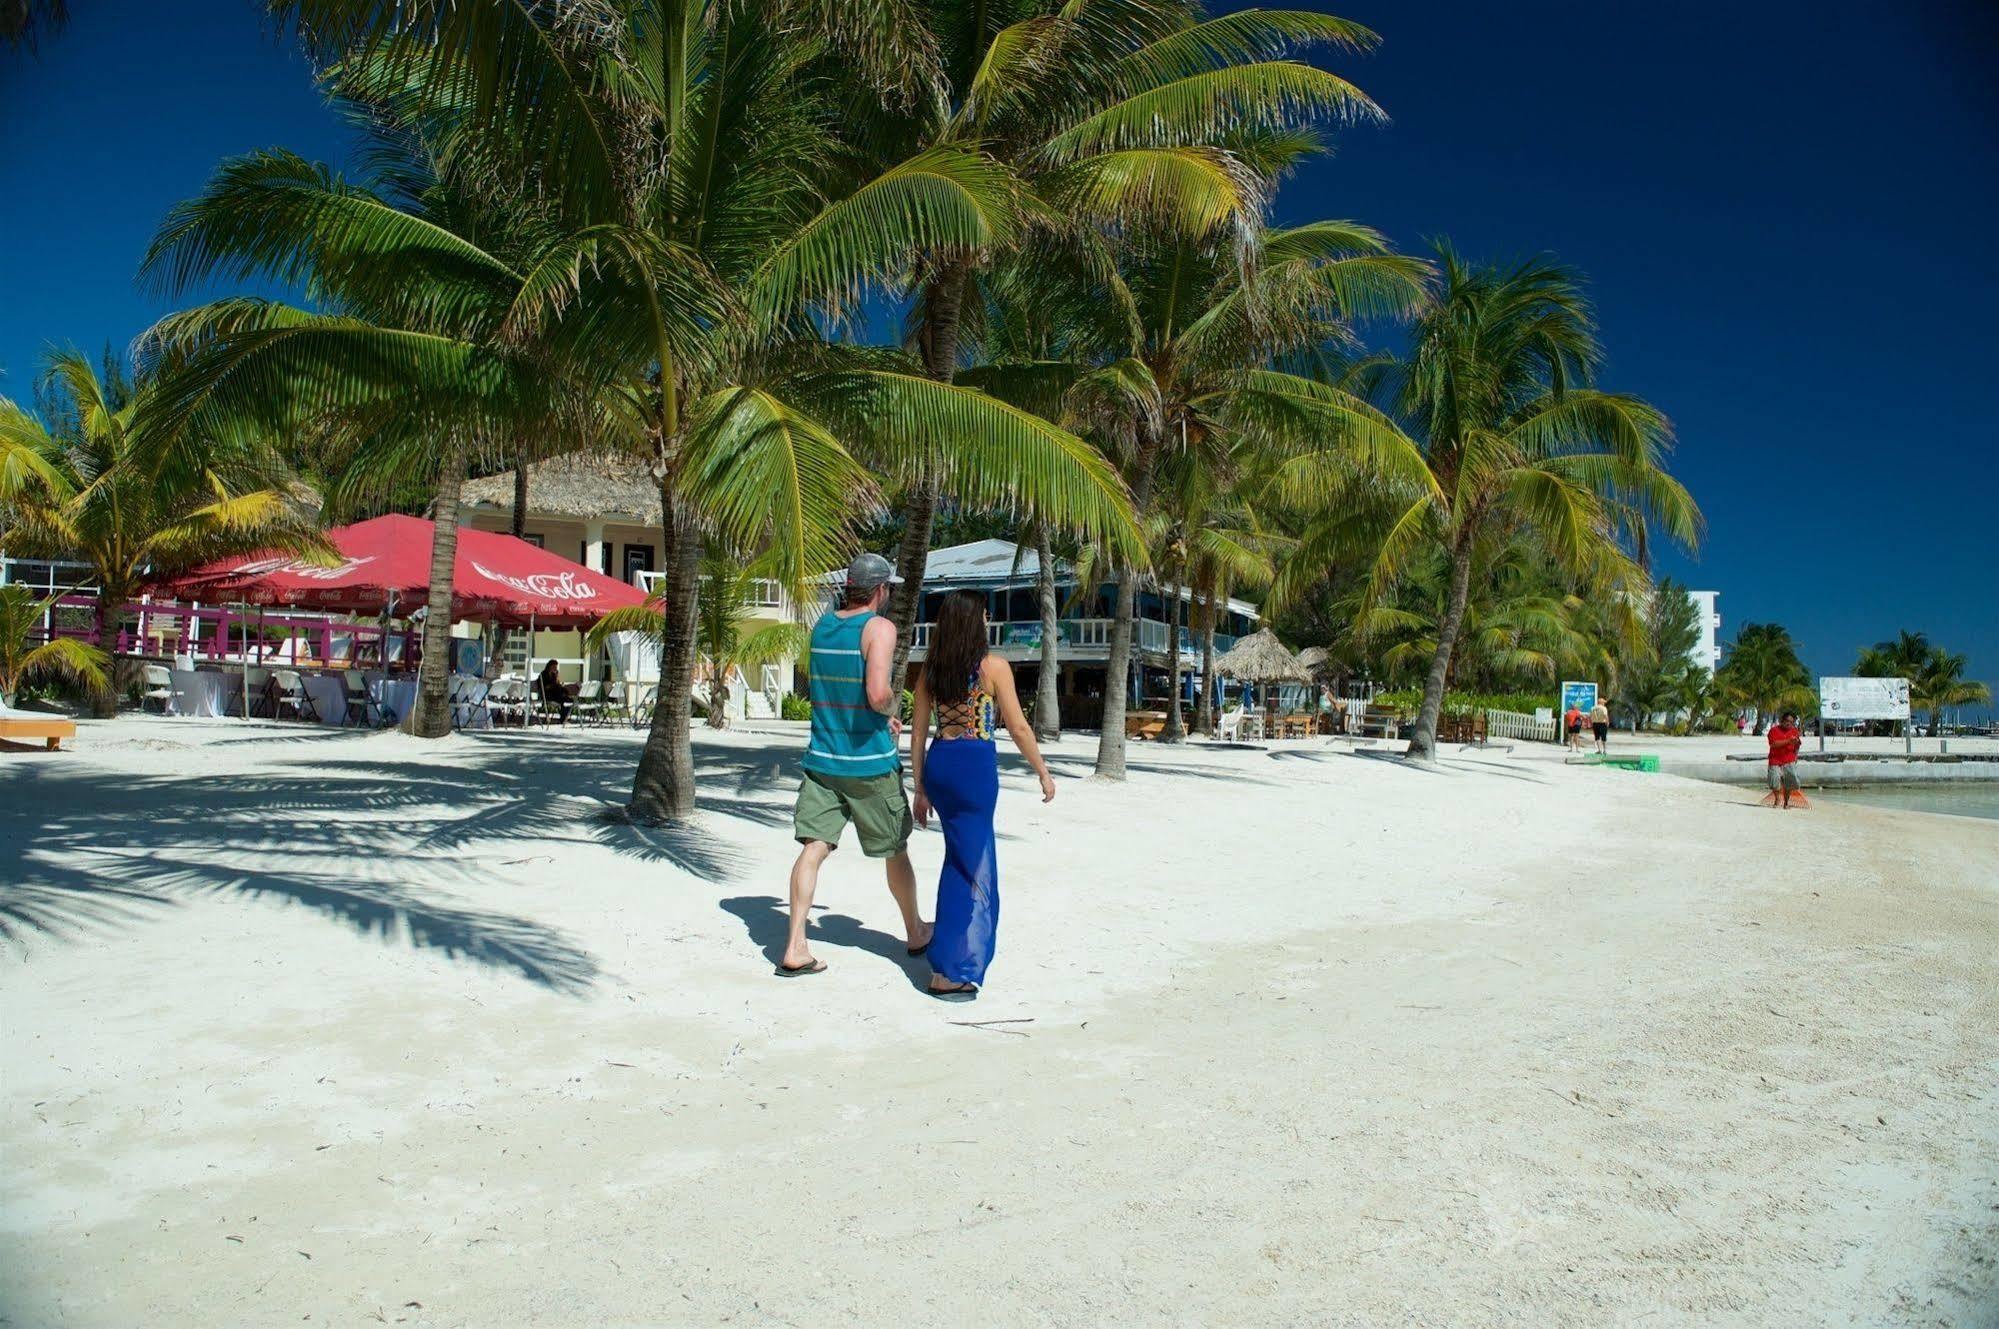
<point x="767" y="920"/>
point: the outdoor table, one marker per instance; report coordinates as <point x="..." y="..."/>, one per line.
<point x="204" y="692"/>
<point x="329" y="696"/>
<point x="395" y="695"/>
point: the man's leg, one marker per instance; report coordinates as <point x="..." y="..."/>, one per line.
<point x="804" y="882"/>
<point x="902" y="885"/>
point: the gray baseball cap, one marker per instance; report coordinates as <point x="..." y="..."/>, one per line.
<point x="868" y="571"/>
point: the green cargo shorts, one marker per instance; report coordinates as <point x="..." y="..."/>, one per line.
<point x="876" y="804"/>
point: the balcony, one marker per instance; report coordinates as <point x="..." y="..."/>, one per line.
<point x="1089" y="635"/>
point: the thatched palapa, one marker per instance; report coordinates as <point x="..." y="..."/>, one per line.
<point x="1260" y="658"/>
<point x="577" y="485"/>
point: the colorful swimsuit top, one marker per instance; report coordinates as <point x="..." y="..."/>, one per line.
<point x="971" y="716"/>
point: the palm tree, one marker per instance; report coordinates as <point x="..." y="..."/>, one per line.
<point x="711" y="227"/>
<point x="1105" y="114"/>
<point x="1509" y="436"/>
<point x="1192" y="383"/>
<point x="59" y="659"/>
<point x="100" y="499"/>
<point x="1941" y="683"/>
<point x="410" y="368"/>
<point x="1763" y="671"/>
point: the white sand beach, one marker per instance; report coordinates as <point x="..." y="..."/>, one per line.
<point x="337" y="1029"/>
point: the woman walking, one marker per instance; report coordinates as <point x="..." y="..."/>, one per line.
<point x="957" y="774"/>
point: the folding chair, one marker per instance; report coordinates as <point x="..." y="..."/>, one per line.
<point x="361" y="708"/>
<point x="468" y="700"/>
<point x="589" y="703"/>
<point x="158" y="687"/>
<point x="508" y="699"/>
<point x="288" y="689"/>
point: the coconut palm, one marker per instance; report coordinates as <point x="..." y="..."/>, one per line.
<point x="1192" y="384"/>
<point x="709" y="219"/>
<point x="1763" y="671"/>
<point x="1506" y="434"/>
<point x="407" y="371"/>
<point x="1936" y="676"/>
<point x="59" y="659"/>
<point x="100" y="499"/>
<point x="1942" y="684"/>
<point x="1106" y="113"/>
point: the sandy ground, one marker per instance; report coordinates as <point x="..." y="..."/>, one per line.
<point x="341" y="1029"/>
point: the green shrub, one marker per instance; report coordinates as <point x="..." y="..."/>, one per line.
<point x="1407" y="701"/>
<point x="908" y="705"/>
<point x="791" y="706"/>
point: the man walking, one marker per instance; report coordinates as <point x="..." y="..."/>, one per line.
<point x="1785" y="740"/>
<point x="853" y="770"/>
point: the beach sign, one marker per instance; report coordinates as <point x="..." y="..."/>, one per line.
<point x="1582" y="696"/>
<point x="1864" y="698"/>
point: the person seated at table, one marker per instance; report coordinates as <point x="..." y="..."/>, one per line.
<point x="553" y="691"/>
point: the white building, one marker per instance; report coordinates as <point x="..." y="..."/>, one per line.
<point x="1706" y="650"/>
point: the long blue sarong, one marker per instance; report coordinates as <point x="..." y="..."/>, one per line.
<point x="961" y="779"/>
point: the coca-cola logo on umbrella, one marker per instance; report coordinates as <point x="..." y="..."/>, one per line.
<point x="553" y="585"/>
<point x="309" y="571"/>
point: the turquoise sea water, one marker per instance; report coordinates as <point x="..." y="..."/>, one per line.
<point x="1960" y="800"/>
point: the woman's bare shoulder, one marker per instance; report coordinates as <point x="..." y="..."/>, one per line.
<point x="995" y="670"/>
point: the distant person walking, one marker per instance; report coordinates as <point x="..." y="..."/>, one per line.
<point x="1599" y="724"/>
<point x="853" y="770"/>
<point x="1572" y="722"/>
<point x="1785" y="739"/>
<point x="958" y="776"/>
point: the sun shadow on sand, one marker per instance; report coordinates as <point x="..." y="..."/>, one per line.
<point x="767" y="920"/>
<point x="85" y="849"/>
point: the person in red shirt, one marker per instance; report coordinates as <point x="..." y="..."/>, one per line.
<point x="1785" y="740"/>
<point x="1573" y="722"/>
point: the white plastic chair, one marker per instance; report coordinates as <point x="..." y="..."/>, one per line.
<point x="361" y="708"/>
<point x="468" y="699"/>
<point x="588" y="707"/>
<point x="508" y="699"/>
<point x="159" y="687"/>
<point x="288" y="689"/>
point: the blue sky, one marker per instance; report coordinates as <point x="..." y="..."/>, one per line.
<point x="1784" y="209"/>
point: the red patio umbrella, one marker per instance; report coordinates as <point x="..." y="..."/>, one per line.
<point x="386" y="561"/>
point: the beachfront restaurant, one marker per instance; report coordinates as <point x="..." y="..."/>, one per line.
<point x="1007" y="575"/>
<point x="603" y="512"/>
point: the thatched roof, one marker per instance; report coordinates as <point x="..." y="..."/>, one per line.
<point x="1315" y="658"/>
<point x="576" y="485"/>
<point x="1260" y="658"/>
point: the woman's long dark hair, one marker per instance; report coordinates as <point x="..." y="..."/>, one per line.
<point x="957" y="644"/>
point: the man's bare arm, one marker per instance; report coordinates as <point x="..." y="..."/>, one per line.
<point x="878" y="654"/>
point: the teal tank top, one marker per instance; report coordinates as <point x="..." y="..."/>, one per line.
<point x="849" y="737"/>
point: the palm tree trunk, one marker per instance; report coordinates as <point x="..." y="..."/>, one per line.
<point x="1110" y="737"/>
<point x="1176" y="728"/>
<point x="1423" y="739"/>
<point x="663" y="789"/>
<point x="943" y="304"/>
<point x="432" y="716"/>
<point x="104" y="701"/>
<point x="1048" y="685"/>
<point x="1204" y="714"/>
<point x="520" y="523"/>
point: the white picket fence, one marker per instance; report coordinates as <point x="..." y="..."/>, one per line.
<point x="1512" y="724"/>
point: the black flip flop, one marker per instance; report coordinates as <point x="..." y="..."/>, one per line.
<point x="803" y="971"/>
<point x="918" y="950"/>
<point x="963" y="992"/>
